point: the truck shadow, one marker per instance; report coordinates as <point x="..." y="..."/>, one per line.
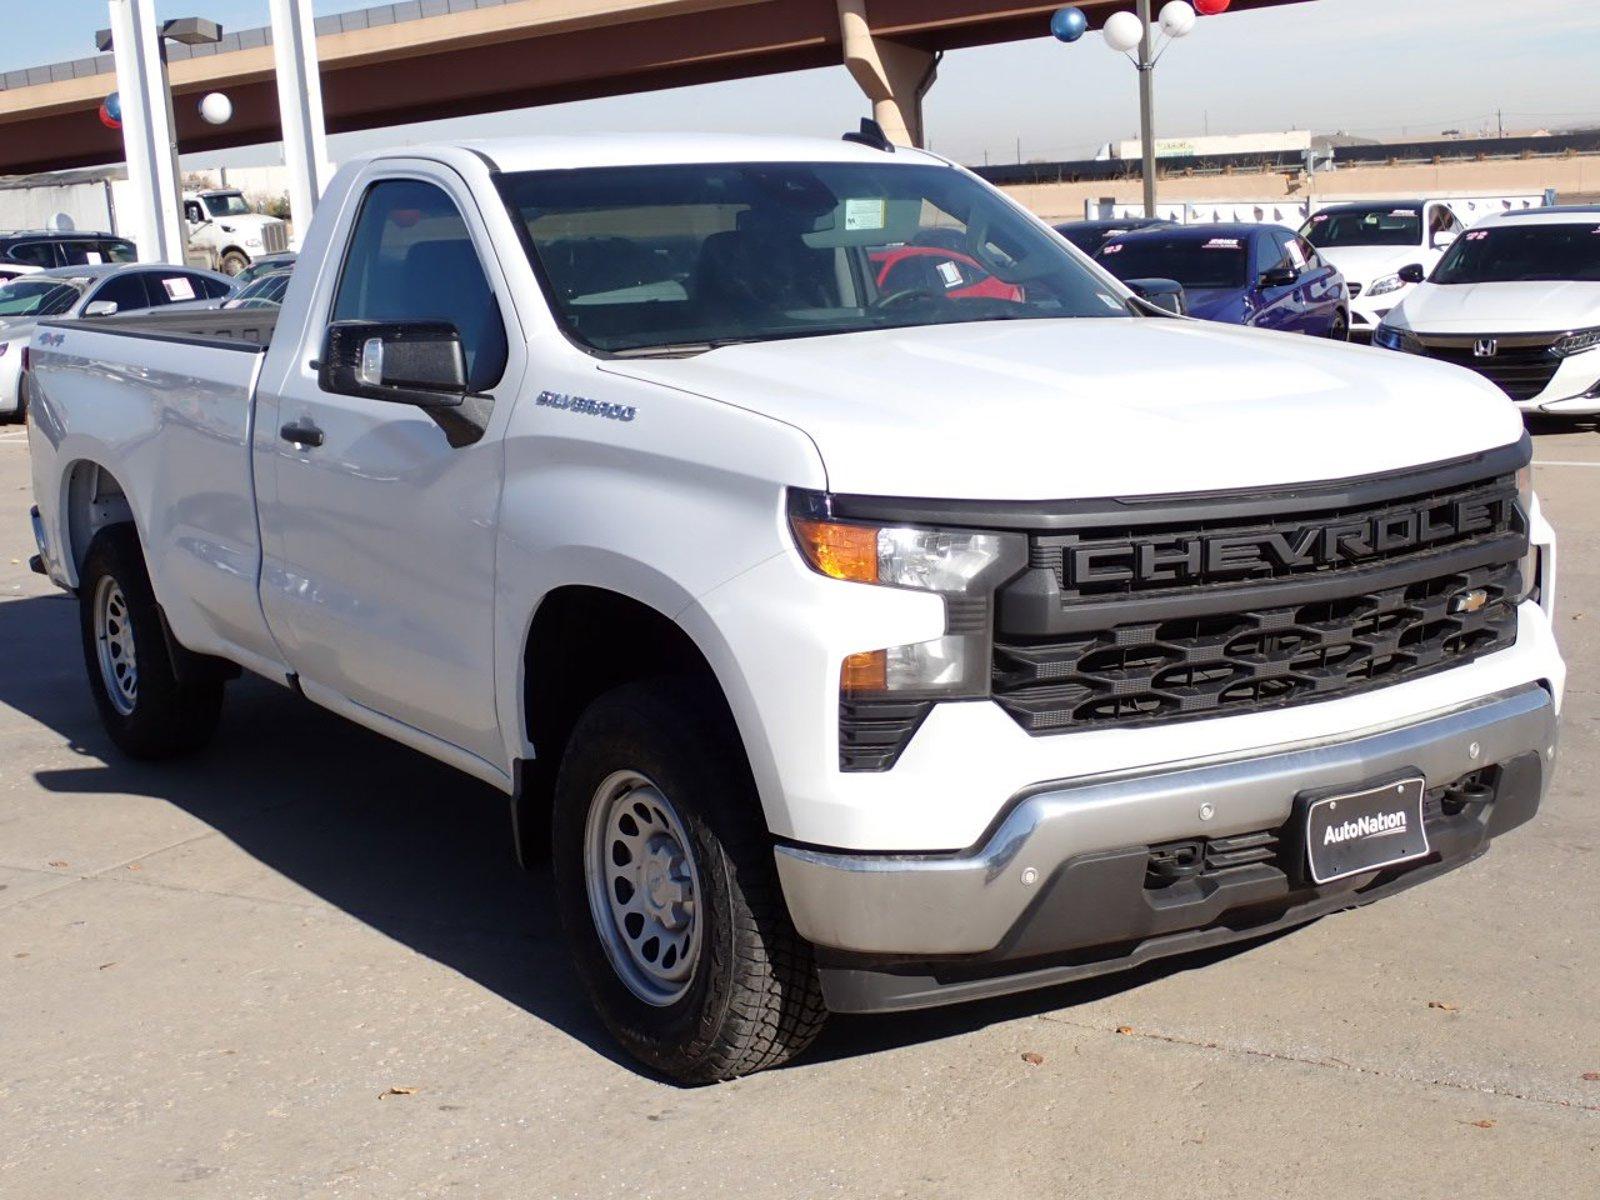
<point x="413" y="849"/>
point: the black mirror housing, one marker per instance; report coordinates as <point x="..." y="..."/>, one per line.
<point x="405" y="362"/>
<point x="1280" y="277"/>
<point x="1165" y="294"/>
<point x="1412" y="273"/>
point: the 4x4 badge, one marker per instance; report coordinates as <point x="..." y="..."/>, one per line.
<point x="1485" y="348"/>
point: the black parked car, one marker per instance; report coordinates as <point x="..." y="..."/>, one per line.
<point x="1089" y="236"/>
<point x="26" y="251"/>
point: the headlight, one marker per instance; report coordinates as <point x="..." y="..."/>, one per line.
<point x="1391" y="337"/>
<point x="1577" y="343"/>
<point x="1389" y="283"/>
<point x="962" y="565"/>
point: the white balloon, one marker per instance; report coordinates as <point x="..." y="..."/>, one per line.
<point x="1123" y="31"/>
<point x="216" y="109"/>
<point x="1177" y="18"/>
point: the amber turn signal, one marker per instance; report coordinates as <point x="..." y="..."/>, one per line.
<point x="865" y="674"/>
<point x="838" y="550"/>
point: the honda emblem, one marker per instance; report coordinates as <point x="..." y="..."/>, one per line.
<point x="1485" y="348"/>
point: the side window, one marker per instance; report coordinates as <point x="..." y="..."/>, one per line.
<point x="411" y="258"/>
<point x="207" y="288"/>
<point x="35" y="254"/>
<point x="126" y="291"/>
<point x="1272" y="251"/>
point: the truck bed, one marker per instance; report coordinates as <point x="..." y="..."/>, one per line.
<point x="232" y="328"/>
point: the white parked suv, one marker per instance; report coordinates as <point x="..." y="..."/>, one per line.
<point x="227" y="234"/>
<point x="1370" y="243"/>
<point x="854" y="639"/>
<point x="1516" y="299"/>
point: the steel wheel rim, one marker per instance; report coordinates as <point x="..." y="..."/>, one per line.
<point x="644" y="887"/>
<point x="113" y="637"/>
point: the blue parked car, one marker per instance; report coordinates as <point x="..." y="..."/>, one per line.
<point x="1261" y="275"/>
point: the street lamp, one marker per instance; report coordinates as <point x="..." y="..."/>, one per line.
<point x="1125" y="32"/>
<point x="133" y="36"/>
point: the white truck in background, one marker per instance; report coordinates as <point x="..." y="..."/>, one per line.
<point x="869" y="601"/>
<point x="226" y="234"/>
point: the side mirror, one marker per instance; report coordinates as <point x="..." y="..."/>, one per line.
<point x="1165" y="294"/>
<point x="1443" y="240"/>
<point x="406" y="362"/>
<point x="1280" y="277"/>
<point x="1412" y="273"/>
<point x="100" y="308"/>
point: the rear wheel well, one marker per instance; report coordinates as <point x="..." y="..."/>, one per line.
<point x="584" y="642"/>
<point x="95" y="500"/>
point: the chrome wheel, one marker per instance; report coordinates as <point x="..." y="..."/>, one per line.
<point x="644" y="887"/>
<point x="113" y="635"/>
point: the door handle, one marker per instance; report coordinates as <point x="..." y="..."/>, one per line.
<point x="301" y="433"/>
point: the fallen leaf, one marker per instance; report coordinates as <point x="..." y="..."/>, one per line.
<point x="20" y="954"/>
<point x="57" y="862"/>
<point x="135" y="867"/>
<point x="398" y="1091"/>
<point x="1444" y="1005"/>
<point x="1124" y="1030"/>
<point x="1483" y="1124"/>
<point x="1033" y="1058"/>
<point x="1577" y="616"/>
<point x="1590" y="1076"/>
<point x="103" y="966"/>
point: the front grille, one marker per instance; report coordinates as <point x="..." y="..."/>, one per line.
<point x="1197" y="613"/>
<point x="1522" y="367"/>
<point x="275" y="238"/>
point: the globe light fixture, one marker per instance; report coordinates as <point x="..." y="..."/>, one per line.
<point x="1134" y="34"/>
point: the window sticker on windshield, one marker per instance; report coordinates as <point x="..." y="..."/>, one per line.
<point x="178" y="288"/>
<point x="870" y="212"/>
<point x="1480" y="234"/>
<point x="1296" y="256"/>
<point x="1319" y="218"/>
<point x="950" y="273"/>
<point x="93" y="257"/>
<point x="1114" y="248"/>
<point x="1221" y="244"/>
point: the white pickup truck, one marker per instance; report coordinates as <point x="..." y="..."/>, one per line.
<point x="870" y="601"/>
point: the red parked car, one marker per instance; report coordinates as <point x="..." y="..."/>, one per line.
<point x="940" y="271"/>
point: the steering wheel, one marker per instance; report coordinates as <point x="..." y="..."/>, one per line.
<point x="901" y="295"/>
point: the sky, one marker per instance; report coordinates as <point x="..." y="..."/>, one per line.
<point x="1377" y="68"/>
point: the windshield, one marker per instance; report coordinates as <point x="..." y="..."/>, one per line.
<point x="38" y="297"/>
<point x="1198" y="264"/>
<point x="230" y="205"/>
<point x="1513" y="253"/>
<point x="1386" y="226"/>
<point x="681" y="257"/>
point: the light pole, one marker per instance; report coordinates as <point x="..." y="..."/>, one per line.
<point x="1130" y="32"/>
<point x="149" y="131"/>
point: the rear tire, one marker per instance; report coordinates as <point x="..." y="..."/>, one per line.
<point x="668" y="892"/>
<point x="147" y="707"/>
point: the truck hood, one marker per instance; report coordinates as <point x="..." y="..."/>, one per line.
<point x="1078" y="409"/>
<point x="1368" y="264"/>
<point x="1532" y="307"/>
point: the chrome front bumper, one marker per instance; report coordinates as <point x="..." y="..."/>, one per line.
<point x="911" y="906"/>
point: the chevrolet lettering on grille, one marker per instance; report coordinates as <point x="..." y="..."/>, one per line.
<point x="1229" y="556"/>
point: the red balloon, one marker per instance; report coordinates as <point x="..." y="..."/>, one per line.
<point x="1210" y="8"/>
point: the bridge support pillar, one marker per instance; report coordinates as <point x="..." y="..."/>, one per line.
<point x="894" y="76"/>
<point x="305" y="135"/>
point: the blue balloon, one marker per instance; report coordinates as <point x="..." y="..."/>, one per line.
<point x="114" y="106"/>
<point x="1068" y="24"/>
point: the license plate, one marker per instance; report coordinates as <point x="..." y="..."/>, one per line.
<point x="1357" y="832"/>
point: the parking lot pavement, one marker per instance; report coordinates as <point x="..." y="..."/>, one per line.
<point x="212" y="974"/>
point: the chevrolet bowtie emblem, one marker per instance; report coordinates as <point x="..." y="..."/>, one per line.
<point x="1470" y="602"/>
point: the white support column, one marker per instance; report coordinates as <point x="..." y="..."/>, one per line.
<point x="147" y="133"/>
<point x="305" y="136"/>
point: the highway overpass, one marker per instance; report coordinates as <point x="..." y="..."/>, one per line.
<point x="425" y="59"/>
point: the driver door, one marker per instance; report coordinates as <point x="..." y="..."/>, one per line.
<point x="378" y="532"/>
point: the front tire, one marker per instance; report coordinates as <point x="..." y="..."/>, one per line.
<point x="1339" y="331"/>
<point x="148" y="709"/>
<point x="668" y="892"/>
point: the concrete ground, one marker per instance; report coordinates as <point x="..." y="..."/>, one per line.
<point x="303" y="964"/>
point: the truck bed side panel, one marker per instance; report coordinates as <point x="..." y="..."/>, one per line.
<point x="171" y="421"/>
